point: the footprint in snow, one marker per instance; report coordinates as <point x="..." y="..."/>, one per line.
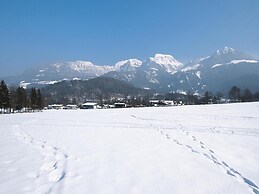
<point x="49" y="165"/>
<point x="194" y="151"/>
<point x="56" y="175"/>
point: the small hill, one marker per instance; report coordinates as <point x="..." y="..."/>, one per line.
<point x="101" y="88"/>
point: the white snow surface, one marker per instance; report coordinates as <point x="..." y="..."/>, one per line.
<point x="183" y="149"/>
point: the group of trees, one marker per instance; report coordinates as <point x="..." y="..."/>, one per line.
<point x="236" y="94"/>
<point x="19" y="99"/>
<point x="5" y="99"/>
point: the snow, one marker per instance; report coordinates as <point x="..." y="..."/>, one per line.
<point x="234" y="62"/>
<point x="81" y="65"/>
<point x="184" y="149"/>
<point x="56" y="65"/>
<point x="127" y="65"/>
<point x="39" y="75"/>
<point x="181" y="92"/>
<point x="216" y="65"/>
<point x="76" y="78"/>
<point x="203" y="58"/>
<point x="35" y="81"/>
<point x="166" y="61"/>
<point x="42" y="70"/>
<point x="151" y="75"/>
<point x="49" y="82"/>
<point x="86" y="66"/>
<point x="189" y="68"/>
<point x="24" y="84"/>
<point x="225" y="50"/>
<point x="242" y="61"/>
<point x="198" y="73"/>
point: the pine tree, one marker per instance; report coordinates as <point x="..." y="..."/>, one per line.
<point x="207" y="97"/>
<point x="40" y="104"/>
<point x="234" y="93"/>
<point x="5" y="99"/>
<point x="13" y="98"/>
<point x="1" y="96"/>
<point x="256" y="96"/>
<point x="248" y="96"/>
<point x="21" y="98"/>
<point x="6" y="95"/>
<point x="33" y="98"/>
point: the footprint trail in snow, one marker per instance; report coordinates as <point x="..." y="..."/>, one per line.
<point x="53" y="172"/>
<point x="205" y="152"/>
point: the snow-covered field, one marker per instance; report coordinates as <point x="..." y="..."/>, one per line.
<point x="187" y="149"/>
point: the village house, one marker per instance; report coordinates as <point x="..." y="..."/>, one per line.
<point x="89" y="105"/>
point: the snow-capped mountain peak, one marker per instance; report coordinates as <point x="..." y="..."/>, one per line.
<point x="166" y="61"/>
<point x="225" y="50"/>
<point x="162" y="59"/>
<point x="80" y="65"/>
<point x="127" y="65"/>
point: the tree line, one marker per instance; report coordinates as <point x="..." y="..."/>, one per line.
<point x="235" y="94"/>
<point x="19" y="99"/>
<point x="238" y="95"/>
<point x="22" y="100"/>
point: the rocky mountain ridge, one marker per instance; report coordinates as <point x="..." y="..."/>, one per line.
<point x="162" y="72"/>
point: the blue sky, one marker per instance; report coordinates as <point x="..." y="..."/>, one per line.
<point x="36" y="32"/>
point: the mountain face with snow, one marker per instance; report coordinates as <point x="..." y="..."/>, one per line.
<point x="217" y="73"/>
<point x="153" y="73"/>
<point x="164" y="62"/>
<point x="57" y="72"/>
<point x="127" y="65"/>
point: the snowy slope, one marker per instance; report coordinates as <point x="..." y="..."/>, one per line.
<point x="188" y="149"/>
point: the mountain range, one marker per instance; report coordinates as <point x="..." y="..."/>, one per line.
<point x="217" y="73"/>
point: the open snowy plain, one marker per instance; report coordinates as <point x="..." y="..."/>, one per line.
<point x="185" y="150"/>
